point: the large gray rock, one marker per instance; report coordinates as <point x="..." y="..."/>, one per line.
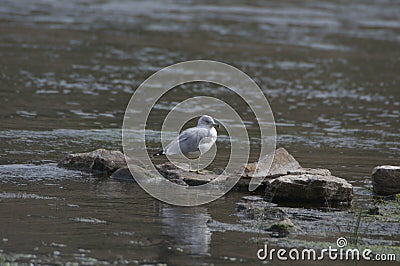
<point x="282" y="162"/>
<point x="312" y="188"/>
<point x="386" y="179"/>
<point x="99" y="161"/>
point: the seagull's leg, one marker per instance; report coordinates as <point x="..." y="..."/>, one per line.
<point x="190" y="166"/>
<point x="198" y="167"/>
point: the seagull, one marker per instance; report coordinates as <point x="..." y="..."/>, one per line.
<point x="194" y="141"/>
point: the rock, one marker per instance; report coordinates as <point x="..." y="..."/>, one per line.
<point x="98" y="161"/>
<point x="375" y="210"/>
<point x="311" y="171"/>
<point x="170" y="172"/>
<point x="176" y="175"/>
<point x="317" y="189"/>
<point x="286" y="180"/>
<point x="259" y="214"/>
<point x="256" y="208"/>
<point x="181" y="176"/>
<point x="386" y="179"/>
<point x="282" y="162"/>
<point x="136" y="171"/>
<point x="122" y="174"/>
<point x="252" y="198"/>
<point x="282" y="228"/>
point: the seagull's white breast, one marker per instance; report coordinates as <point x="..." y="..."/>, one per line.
<point x="207" y="142"/>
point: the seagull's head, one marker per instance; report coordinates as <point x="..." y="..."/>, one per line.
<point x="207" y="121"/>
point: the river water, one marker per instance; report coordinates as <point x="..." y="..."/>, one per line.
<point x="330" y="70"/>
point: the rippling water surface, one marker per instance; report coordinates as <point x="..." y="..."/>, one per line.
<point x="330" y="70"/>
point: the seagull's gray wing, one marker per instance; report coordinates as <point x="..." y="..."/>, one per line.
<point x="188" y="141"/>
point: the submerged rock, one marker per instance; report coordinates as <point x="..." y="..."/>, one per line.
<point x="375" y="210"/>
<point x="262" y="211"/>
<point x="98" y="161"/>
<point x="317" y="189"/>
<point x="258" y="214"/>
<point x="386" y="179"/>
<point x="282" y="228"/>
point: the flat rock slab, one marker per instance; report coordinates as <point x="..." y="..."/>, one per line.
<point x="310" y="171"/>
<point x="386" y="179"/>
<point x="245" y="181"/>
<point x="99" y="161"/>
<point x="317" y="189"/>
<point x="177" y="175"/>
<point x="172" y="173"/>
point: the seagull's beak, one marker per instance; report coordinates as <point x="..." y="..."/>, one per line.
<point x="216" y="125"/>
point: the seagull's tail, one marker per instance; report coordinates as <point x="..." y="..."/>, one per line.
<point x="159" y="153"/>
